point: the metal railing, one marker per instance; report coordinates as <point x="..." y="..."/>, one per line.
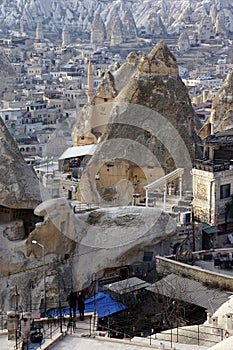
<point x="203" y="335"/>
<point x="114" y="333"/>
<point x="3" y="321"/>
<point x="47" y="327"/>
<point x="74" y="326"/>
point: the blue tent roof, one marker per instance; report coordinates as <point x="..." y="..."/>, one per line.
<point x="105" y="306"/>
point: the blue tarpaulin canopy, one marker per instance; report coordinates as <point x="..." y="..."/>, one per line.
<point x="105" y="306"/>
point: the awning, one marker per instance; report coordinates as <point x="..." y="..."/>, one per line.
<point x="127" y="286"/>
<point x="210" y="229"/>
<point x="189" y="291"/>
<point x="105" y="305"/>
<point x="78" y="151"/>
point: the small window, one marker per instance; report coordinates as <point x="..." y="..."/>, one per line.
<point x="225" y="191"/>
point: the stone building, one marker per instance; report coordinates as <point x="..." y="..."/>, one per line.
<point x="213" y="172"/>
<point x="213" y="183"/>
<point x="40" y="112"/>
<point x="206" y="31"/>
<point x="223" y="67"/>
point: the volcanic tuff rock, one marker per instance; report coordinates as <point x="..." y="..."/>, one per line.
<point x="101" y="239"/>
<point x="159" y="61"/>
<point x="19" y="186"/>
<point x="116" y="237"/>
<point x="7" y="74"/>
<point x="116" y="32"/>
<point x="150" y="16"/>
<point x="129" y="29"/>
<point x="222" y="106"/>
<point x="152" y="108"/>
<point x="106" y="88"/>
<point x="98" y="30"/>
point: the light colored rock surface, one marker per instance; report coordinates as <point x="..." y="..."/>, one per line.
<point x="57" y="231"/>
<point x="159" y="61"/>
<point x="60" y="213"/>
<point x="154" y="17"/>
<point x="14" y="230"/>
<point x="98" y="30"/>
<point x="106" y="88"/>
<point x="92" y="242"/>
<point x="116" y="237"/>
<point x="19" y="186"/>
<point x="222" y="106"/>
<point x="12" y="258"/>
<point x="130" y="28"/>
<point x="144" y="116"/>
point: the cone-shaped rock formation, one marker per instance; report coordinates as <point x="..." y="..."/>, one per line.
<point x="19" y="186"/>
<point x="222" y="107"/>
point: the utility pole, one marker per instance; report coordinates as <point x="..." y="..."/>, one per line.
<point x="59" y="301"/>
<point x="95" y="292"/>
<point x="44" y="274"/>
<point x="193" y="229"/>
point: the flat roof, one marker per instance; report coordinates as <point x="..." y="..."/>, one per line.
<point x="78" y="151"/>
<point x="189" y="291"/>
<point x="209" y="229"/>
<point x="128" y="285"/>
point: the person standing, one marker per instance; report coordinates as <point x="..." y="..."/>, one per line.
<point x="81" y="305"/>
<point x="72" y="299"/>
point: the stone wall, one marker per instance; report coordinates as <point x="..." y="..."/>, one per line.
<point x="167" y="266"/>
<point x="208" y="206"/>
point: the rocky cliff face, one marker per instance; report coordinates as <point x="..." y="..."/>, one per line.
<point x="222" y="106"/>
<point x="157" y="86"/>
<point x="117" y="237"/>
<point x="150" y="17"/>
<point x="90" y="244"/>
<point x="7" y="75"/>
<point x="19" y="186"/>
<point x="148" y="116"/>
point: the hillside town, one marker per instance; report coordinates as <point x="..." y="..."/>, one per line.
<point x="116" y="190"/>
